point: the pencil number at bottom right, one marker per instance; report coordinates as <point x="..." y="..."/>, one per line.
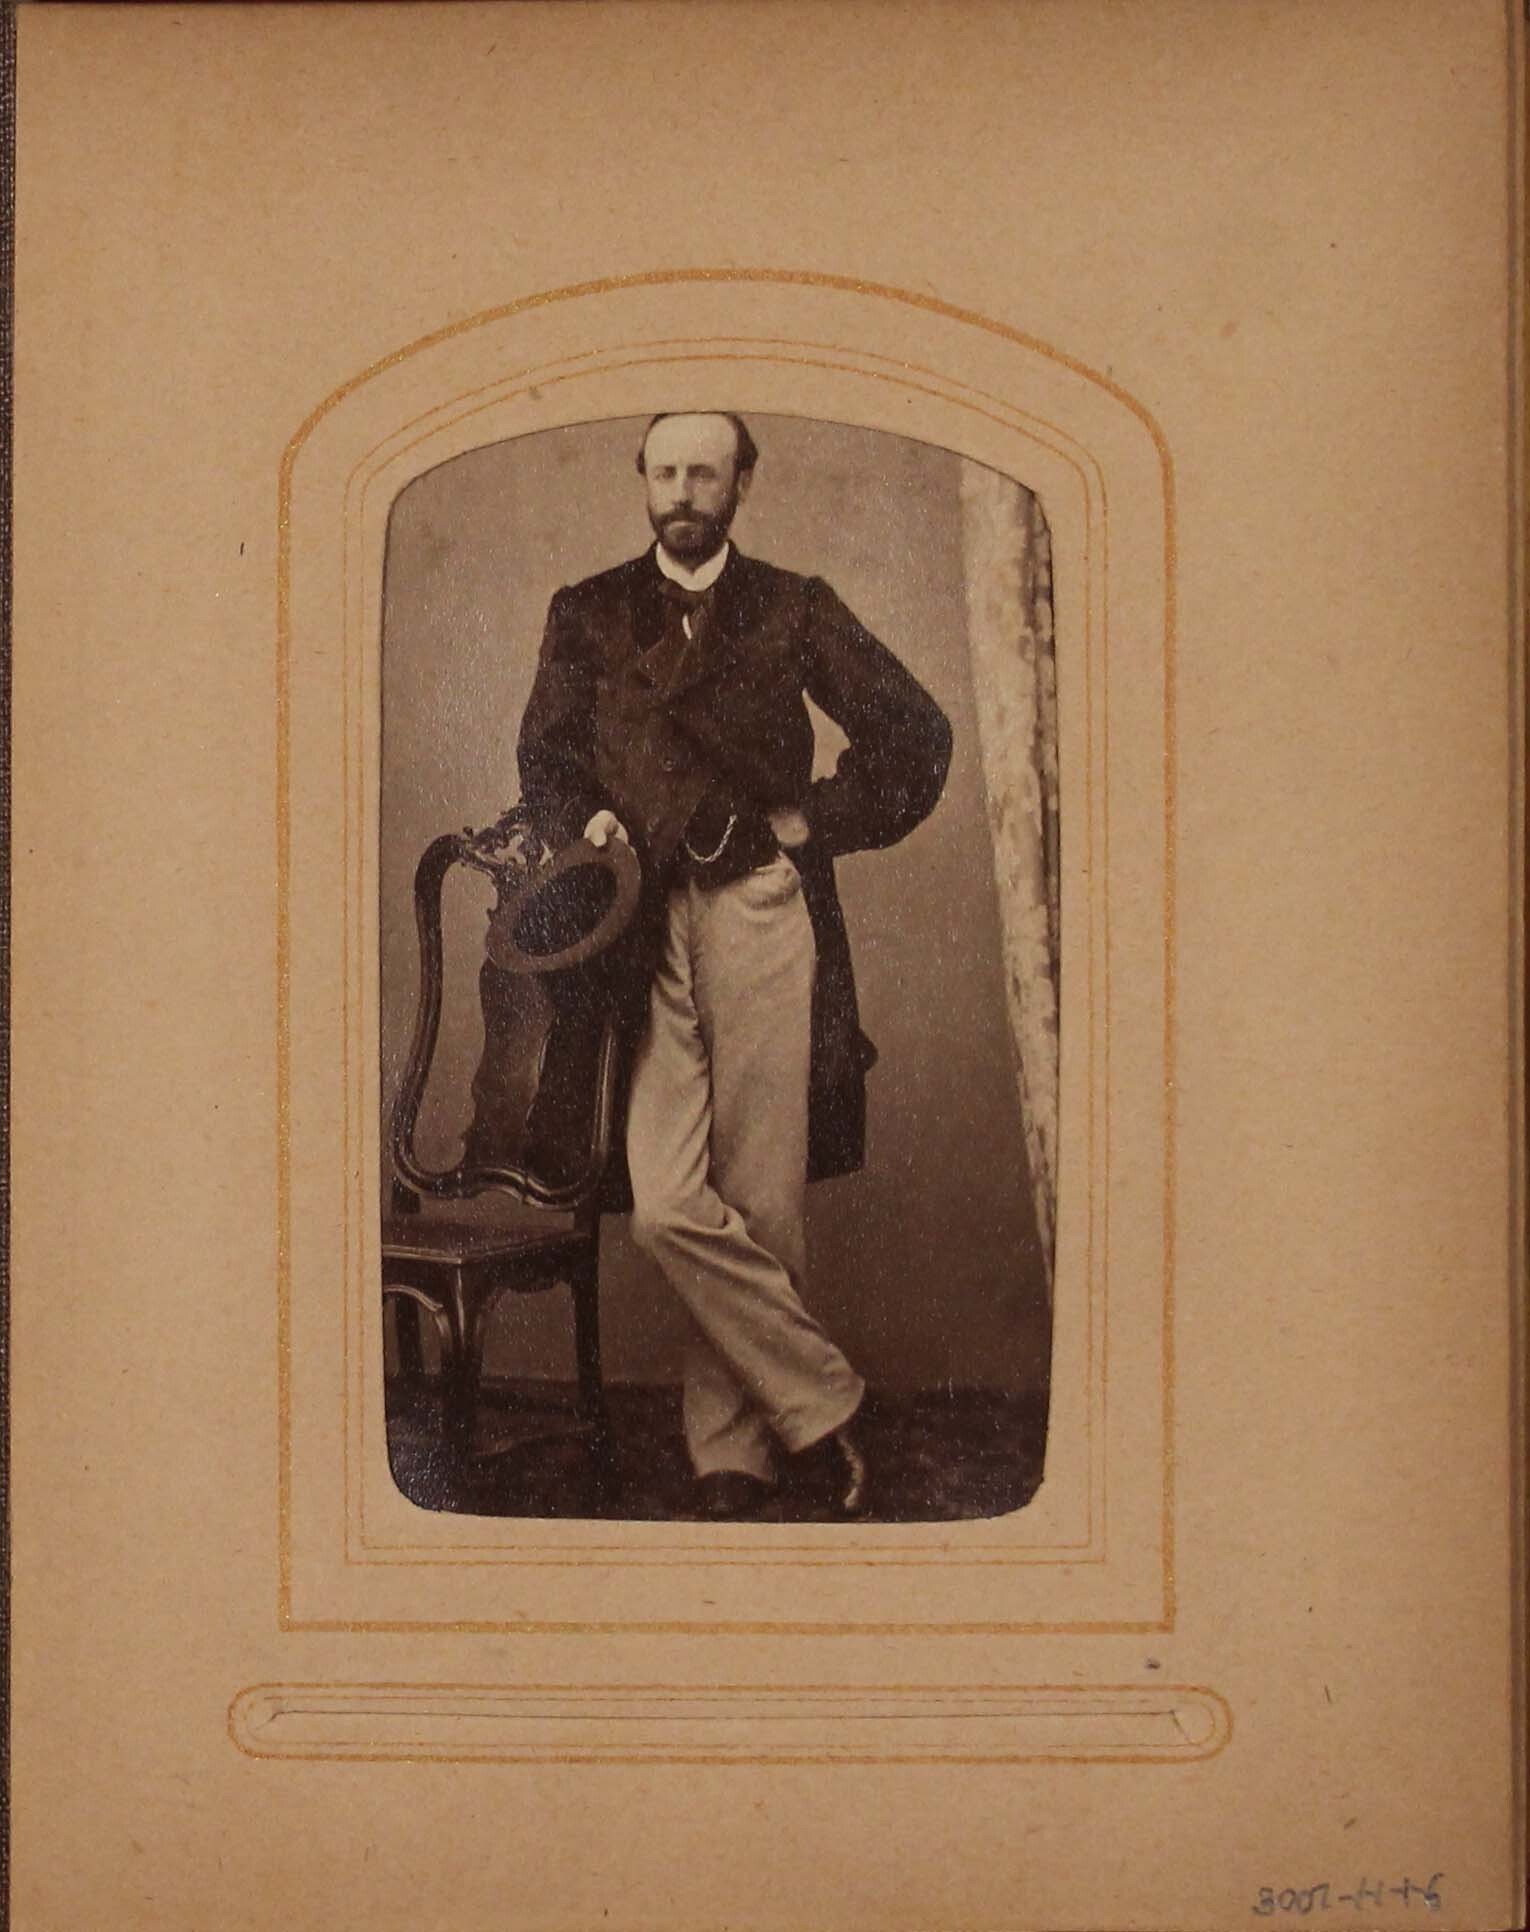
<point x="1324" y="1897"/>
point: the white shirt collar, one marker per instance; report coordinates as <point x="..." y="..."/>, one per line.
<point x="702" y="578"/>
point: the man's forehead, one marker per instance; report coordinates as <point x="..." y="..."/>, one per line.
<point x="700" y="438"/>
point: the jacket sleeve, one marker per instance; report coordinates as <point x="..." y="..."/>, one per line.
<point x="556" y="748"/>
<point x="894" y="767"/>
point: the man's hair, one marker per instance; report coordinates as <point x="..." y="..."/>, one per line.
<point x="745" y="452"/>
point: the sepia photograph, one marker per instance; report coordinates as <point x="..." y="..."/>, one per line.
<point x="719" y="939"/>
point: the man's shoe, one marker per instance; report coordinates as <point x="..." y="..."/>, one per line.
<point x="724" y="1495"/>
<point x="833" y="1473"/>
<point x="853" y="1486"/>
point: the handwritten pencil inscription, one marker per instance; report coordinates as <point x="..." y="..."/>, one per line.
<point x="1325" y="1897"/>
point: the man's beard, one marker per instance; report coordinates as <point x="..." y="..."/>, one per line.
<point x="691" y="538"/>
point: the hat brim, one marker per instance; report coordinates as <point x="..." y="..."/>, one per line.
<point x="570" y="910"/>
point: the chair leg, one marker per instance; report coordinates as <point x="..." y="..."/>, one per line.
<point x="409" y="1334"/>
<point x="586" y="1292"/>
<point x="460" y="1374"/>
<point x="604" y="1475"/>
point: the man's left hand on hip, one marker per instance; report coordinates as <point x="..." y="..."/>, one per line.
<point x="789" y="825"/>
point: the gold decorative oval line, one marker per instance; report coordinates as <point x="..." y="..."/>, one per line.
<point x="740" y="1724"/>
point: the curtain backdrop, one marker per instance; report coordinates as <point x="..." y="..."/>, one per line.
<point x="1008" y="567"/>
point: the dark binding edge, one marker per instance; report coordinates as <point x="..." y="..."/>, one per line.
<point x="7" y="325"/>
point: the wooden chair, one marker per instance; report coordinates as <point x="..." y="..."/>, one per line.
<point x="541" y="1133"/>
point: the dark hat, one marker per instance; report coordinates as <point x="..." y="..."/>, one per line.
<point x="566" y="911"/>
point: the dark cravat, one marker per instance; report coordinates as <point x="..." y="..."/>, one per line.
<point x="679" y="594"/>
<point x="680" y="603"/>
<point x="675" y="655"/>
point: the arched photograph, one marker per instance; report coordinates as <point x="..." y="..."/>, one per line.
<point x="720" y="956"/>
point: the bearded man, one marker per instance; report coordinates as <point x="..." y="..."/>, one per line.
<point x="669" y="710"/>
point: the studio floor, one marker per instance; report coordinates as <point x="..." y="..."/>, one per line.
<point x="935" y="1456"/>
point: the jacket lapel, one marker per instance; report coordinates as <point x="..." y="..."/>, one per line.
<point x="727" y="620"/>
<point x="735" y="610"/>
<point x="642" y="615"/>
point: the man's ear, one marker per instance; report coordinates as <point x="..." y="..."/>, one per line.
<point x="743" y="484"/>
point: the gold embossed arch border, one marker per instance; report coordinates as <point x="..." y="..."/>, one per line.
<point x="910" y="375"/>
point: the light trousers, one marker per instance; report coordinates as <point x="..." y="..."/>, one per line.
<point x="717" y="1135"/>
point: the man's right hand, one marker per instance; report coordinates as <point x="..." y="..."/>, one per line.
<point x="605" y="825"/>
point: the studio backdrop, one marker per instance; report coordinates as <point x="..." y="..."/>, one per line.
<point x="933" y="1265"/>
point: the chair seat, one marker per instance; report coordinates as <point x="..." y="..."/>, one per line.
<point x="427" y="1237"/>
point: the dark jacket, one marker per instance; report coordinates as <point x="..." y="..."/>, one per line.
<point x="614" y="723"/>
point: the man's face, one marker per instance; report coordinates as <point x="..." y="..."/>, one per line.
<point x="690" y="467"/>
